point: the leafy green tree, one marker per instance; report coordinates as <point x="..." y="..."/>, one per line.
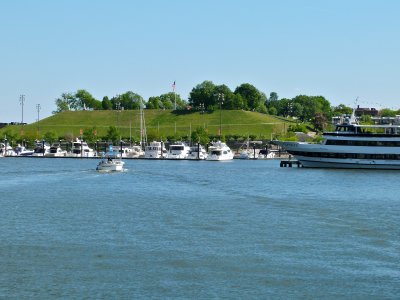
<point x="128" y="100"/>
<point x="90" y="134"/>
<point x="50" y="137"/>
<point x="273" y="96"/>
<point x="203" y="93"/>
<point x="297" y="110"/>
<point x="252" y="97"/>
<point x="342" y="109"/>
<point x="366" y="120"/>
<point x="65" y="102"/>
<point x="282" y="107"/>
<point x="229" y="96"/>
<point x="10" y="136"/>
<point x="155" y="103"/>
<point x="313" y="105"/>
<point x="168" y="101"/>
<point x="273" y="111"/>
<point x="237" y="102"/>
<point x="386" y="112"/>
<point x="106" y="103"/>
<point x="262" y="109"/>
<point x="310" y="107"/>
<point x="113" y="134"/>
<point x="85" y="100"/>
<point x="200" y="135"/>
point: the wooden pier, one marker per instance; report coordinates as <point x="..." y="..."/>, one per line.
<point x="290" y="163"/>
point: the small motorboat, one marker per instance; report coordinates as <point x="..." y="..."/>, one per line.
<point x="110" y="165"/>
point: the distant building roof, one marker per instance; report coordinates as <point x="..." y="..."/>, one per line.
<point x="366" y="111"/>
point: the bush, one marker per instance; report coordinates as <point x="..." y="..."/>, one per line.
<point x="298" y="128"/>
<point x="273" y="111"/>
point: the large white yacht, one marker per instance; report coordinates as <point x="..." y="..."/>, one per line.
<point x="81" y="149"/>
<point x="178" y="150"/>
<point x="56" y="151"/>
<point x="219" y="151"/>
<point x="155" y="150"/>
<point x="197" y="152"/>
<point x="351" y="146"/>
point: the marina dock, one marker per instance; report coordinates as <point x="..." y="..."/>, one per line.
<point x="290" y="163"/>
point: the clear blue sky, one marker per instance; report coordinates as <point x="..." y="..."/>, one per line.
<point x="340" y="49"/>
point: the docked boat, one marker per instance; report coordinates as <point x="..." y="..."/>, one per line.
<point x="6" y="150"/>
<point x="134" y="151"/>
<point x="81" y="149"/>
<point x="246" y="154"/>
<point x="351" y="146"/>
<point x="197" y="152"/>
<point x="56" y="151"/>
<point x="178" y="150"/>
<point x="41" y="149"/>
<point x="219" y="151"/>
<point x="155" y="150"/>
<point x="266" y="154"/>
<point x="22" y="151"/>
<point x="110" y="165"/>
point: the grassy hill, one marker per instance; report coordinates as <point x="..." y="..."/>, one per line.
<point x="159" y="123"/>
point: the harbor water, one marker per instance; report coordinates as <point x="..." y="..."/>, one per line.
<point x="196" y="230"/>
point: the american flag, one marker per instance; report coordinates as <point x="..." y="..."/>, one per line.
<point x="173" y="86"/>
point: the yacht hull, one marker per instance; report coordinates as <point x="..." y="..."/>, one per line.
<point x="110" y="166"/>
<point x="325" y="156"/>
<point x="348" y="164"/>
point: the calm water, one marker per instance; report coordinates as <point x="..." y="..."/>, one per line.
<point x="188" y="229"/>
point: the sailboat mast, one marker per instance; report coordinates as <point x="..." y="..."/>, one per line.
<point x="141" y="125"/>
<point x="143" y="134"/>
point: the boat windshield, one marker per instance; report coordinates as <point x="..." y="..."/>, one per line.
<point x="345" y="128"/>
<point x="177" y="148"/>
<point x="216" y="152"/>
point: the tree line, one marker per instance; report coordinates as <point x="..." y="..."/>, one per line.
<point x="208" y="97"/>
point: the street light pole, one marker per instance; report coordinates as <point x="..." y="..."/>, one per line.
<point x="38" y="108"/>
<point x="202" y="113"/>
<point x="22" y="101"/>
<point x="118" y="108"/>
<point x="220" y="97"/>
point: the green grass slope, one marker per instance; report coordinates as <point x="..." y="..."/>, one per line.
<point x="159" y="123"/>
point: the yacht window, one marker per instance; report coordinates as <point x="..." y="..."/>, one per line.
<point x="177" y="147"/>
